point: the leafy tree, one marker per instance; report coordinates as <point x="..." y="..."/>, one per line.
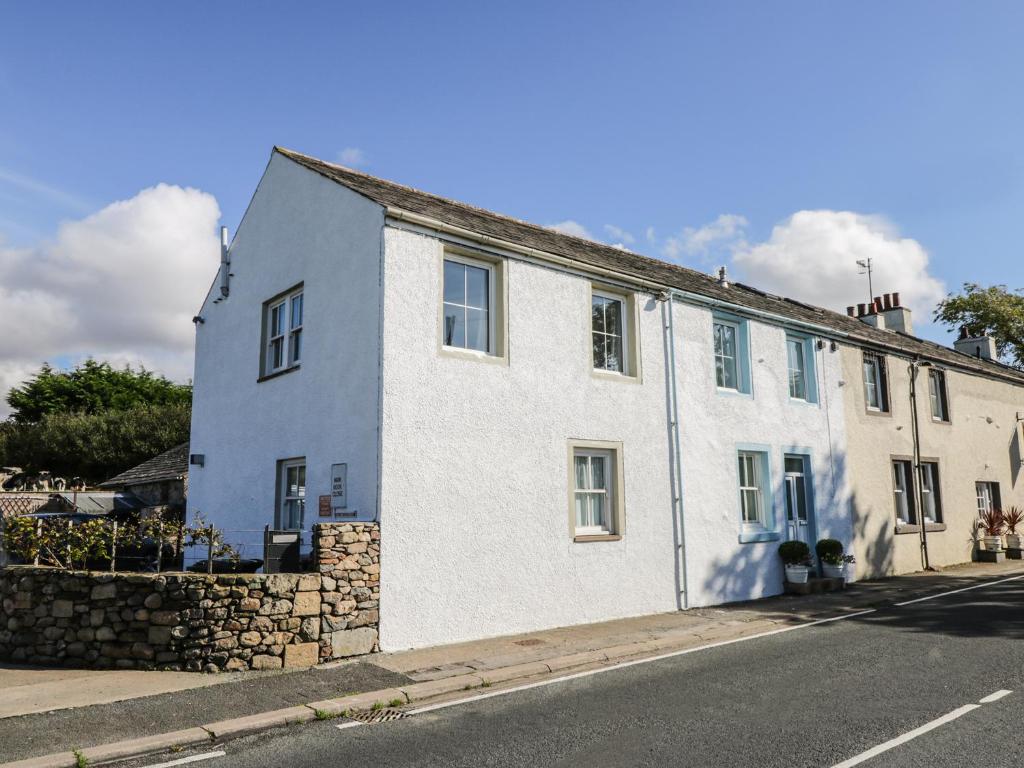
<point x="993" y="311"/>
<point x="95" y="446"/>
<point x="92" y="388"/>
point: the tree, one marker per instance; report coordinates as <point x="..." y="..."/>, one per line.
<point x="993" y="311"/>
<point x="94" y="446"/>
<point x="92" y="388"/>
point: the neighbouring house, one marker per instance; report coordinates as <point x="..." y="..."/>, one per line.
<point x="159" y="482"/>
<point x="549" y="430"/>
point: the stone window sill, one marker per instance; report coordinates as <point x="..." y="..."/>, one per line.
<point x="275" y="374"/>
<point x="929" y="528"/>
<point x="597" y="537"/>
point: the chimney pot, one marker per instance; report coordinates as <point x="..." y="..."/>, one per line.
<point x="850" y="311"/>
<point x="887" y="300"/>
<point x="877" y="307"/>
<point x="860" y="310"/>
<point x="896" y="298"/>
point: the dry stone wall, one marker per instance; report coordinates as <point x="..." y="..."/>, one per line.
<point x="198" y="622"/>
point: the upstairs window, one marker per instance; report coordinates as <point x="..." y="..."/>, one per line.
<point x="282" y="332"/>
<point x="732" y="371"/>
<point x="608" y="332"/>
<point x="937" y="395"/>
<point x="800" y="363"/>
<point x="468" y="302"/>
<point x="876" y="387"/>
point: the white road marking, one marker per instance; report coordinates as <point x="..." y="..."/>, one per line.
<point x="994" y="696"/>
<point x="349" y="724"/>
<point x="624" y="664"/>
<point x="962" y="589"/>
<point x="908" y="736"/>
<point x="189" y="759"/>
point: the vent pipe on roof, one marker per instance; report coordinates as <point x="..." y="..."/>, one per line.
<point x="723" y="279"/>
<point x="225" y="264"/>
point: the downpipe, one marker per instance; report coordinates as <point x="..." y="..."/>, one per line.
<point x="684" y="593"/>
<point x="914" y="365"/>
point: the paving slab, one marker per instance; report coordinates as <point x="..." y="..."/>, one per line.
<point x="147" y="745"/>
<point x="240" y="726"/>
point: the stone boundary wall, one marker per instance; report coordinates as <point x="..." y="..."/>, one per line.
<point x="198" y="622"/>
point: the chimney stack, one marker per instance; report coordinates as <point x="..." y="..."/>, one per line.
<point x="897" y="317"/>
<point x="983" y="347"/>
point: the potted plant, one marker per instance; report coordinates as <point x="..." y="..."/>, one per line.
<point x="830" y="554"/>
<point x="991" y="522"/>
<point x="796" y="558"/>
<point x="1012" y="517"/>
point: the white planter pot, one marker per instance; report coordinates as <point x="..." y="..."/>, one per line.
<point x="993" y="543"/>
<point x="797" y="574"/>
<point x="1014" y="540"/>
<point x="833" y="571"/>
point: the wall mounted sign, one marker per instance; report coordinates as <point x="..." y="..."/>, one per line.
<point x="339" y="486"/>
<point x="324" y="506"/>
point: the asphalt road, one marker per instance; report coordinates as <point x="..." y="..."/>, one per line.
<point x="810" y="697"/>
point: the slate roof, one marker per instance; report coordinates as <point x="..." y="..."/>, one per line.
<point x="169" y="465"/>
<point x="589" y="253"/>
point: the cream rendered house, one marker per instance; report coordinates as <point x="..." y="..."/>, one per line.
<point x="549" y="430"/>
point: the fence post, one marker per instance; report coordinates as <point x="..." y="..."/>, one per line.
<point x="113" y="549"/>
<point x="209" y="549"/>
<point x="179" y="546"/>
<point x="39" y="536"/>
<point x="67" y="548"/>
<point x="159" y="544"/>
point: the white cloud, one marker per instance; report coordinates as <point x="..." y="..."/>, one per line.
<point x="122" y="285"/>
<point x="726" y="231"/>
<point x="352" y="156"/>
<point x="574" y="228"/>
<point x="619" y="235"/>
<point x="812" y="255"/>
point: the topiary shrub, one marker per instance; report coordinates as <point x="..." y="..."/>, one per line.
<point x="795" y="553"/>
<point x="829" y="551"/>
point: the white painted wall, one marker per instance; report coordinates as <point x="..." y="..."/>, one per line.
<point x="720" y="568"/>
<point x="299" y="227"/>
<point x="474" y="479"/>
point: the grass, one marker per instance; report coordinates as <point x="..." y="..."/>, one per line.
<point x="323" y="714"/>
<point x="378" y="706"/>
<point x="396" y="703"/>
<point x="81" y="761"/>
<point x="486" y="684"/>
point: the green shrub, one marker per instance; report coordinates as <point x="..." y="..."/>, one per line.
<point x="795" y="553"/>
<point x="830" y="551"/>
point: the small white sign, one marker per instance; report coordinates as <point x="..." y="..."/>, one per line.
<point x="339" y="486"/>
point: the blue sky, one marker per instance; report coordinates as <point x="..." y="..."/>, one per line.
<point x="654" y="118"/>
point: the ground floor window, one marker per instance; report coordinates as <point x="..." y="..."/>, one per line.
<point x="988" y="496"/>
<point x="291" y="494"/>
<point x="753" y="482"/>
<point x="931" y="497"/>
<point x="903" y="491"/>
<point x="595" y="489"/>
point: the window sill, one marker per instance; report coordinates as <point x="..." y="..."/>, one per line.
<point x="732" y="392"/>
<point x="579" y="539"/>
<point x="472" y="354"/>
<point x="281" y="372"/>
<point x="929" y="528"/>
<point x="600" y="373"/>
<point x="878" y="412"/>
<point x="944" y="422"/>
<point x="803" y="401"/>
<point x="754" y="537"/>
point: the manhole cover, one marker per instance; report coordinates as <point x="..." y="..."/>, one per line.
<point x="383" y="715"/>
<point x="531" y="641"/>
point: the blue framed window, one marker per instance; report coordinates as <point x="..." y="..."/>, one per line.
<point x="756" y="499"/>
<point x="731" y="346"/>
<point x="801" y="374"/>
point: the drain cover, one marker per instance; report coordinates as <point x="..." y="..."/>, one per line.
<point x="383" y="715"/>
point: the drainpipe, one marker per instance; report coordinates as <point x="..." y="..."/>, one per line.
<point x="914" y="365"/>
<point x="684" y="593"/>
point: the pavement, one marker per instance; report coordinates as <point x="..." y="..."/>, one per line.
<point x="214" y="709"/>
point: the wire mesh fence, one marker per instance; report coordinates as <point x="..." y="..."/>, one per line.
<point x="149" y="545"/>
